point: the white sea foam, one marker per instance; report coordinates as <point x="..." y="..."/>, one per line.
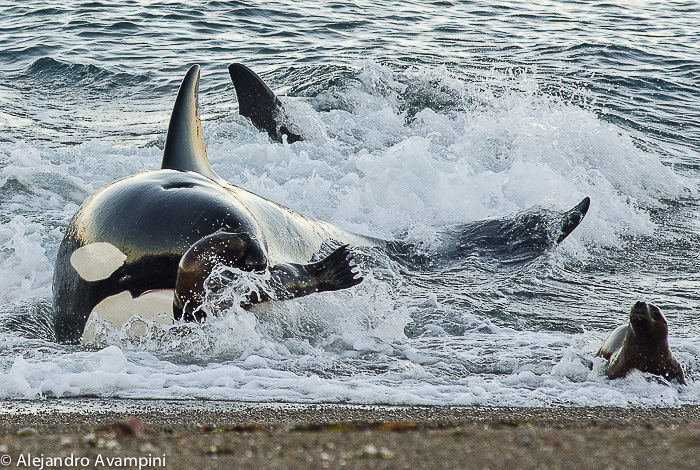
<point x="376" y="173"/>
<point x="113" y="372"/>
<point x="370" y="166"/>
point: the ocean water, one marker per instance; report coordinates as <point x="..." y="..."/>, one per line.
<point x="419" y="116"/>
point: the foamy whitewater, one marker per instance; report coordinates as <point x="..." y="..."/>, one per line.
<point x="417" y="117"/>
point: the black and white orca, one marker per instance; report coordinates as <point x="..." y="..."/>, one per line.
<point x="145" y="244"/>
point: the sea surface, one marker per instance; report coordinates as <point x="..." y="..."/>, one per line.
<point x="419" y="115"/>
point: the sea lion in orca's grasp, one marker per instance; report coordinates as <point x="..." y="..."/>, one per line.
<point x="145" y="244"/>
<point x="641" y="344"/>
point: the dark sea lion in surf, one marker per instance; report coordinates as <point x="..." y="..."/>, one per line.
<point x="287" y="280"/>
<point x="145" y="244"/>
<point x="641" y="344"/>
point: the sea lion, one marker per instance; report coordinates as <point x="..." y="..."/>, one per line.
<point x="641" y="344"/>
<point x="146" y="244"/>
<point x="286" y="281"/>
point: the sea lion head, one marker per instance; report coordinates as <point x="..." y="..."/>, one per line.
<point x="646" y="346"/>
<point x="647" y="323"/>
<point x="234" y="249"/>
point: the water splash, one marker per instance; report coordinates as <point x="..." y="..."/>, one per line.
<point x="393" y="153"/>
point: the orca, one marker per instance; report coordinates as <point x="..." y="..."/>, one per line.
<point x="147" y="243"/>
<point x="123" y="247"/>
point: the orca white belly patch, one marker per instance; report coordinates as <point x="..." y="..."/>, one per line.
<point x="97" y="261"/>
<point x="122" y="309"/>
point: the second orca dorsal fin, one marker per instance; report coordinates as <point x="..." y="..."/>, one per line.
<point x="573" y="217"/>
<point x="258" y="103"/>
<point x="184" y="144"/>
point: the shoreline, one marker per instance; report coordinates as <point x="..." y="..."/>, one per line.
<point x="222" y="434"/>
<point x="96" y="411"/>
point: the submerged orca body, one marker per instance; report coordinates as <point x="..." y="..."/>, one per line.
<point x="145" y="244"/>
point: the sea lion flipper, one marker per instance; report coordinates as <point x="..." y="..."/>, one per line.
<point x="335" y="271"/>
<point x="679" y="376"/>
<point x="676" y="373"/>
<point x="258" y="103"/>
<point x="184" y="144"/>
<point x="613" y="343"/>
<point x="573" y="218"/>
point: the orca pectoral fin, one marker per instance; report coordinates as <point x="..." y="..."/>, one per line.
<point x="573" y="218"/>
<point x="184" y="144"/>
<point x="258" y="103"/>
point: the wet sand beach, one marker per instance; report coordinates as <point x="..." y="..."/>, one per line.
<point x="106" y="433"/>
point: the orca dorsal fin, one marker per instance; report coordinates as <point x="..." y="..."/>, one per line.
<point x="573" y="217"/>
<point x="184" y="144"/>
<point x="258" y="103"/>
